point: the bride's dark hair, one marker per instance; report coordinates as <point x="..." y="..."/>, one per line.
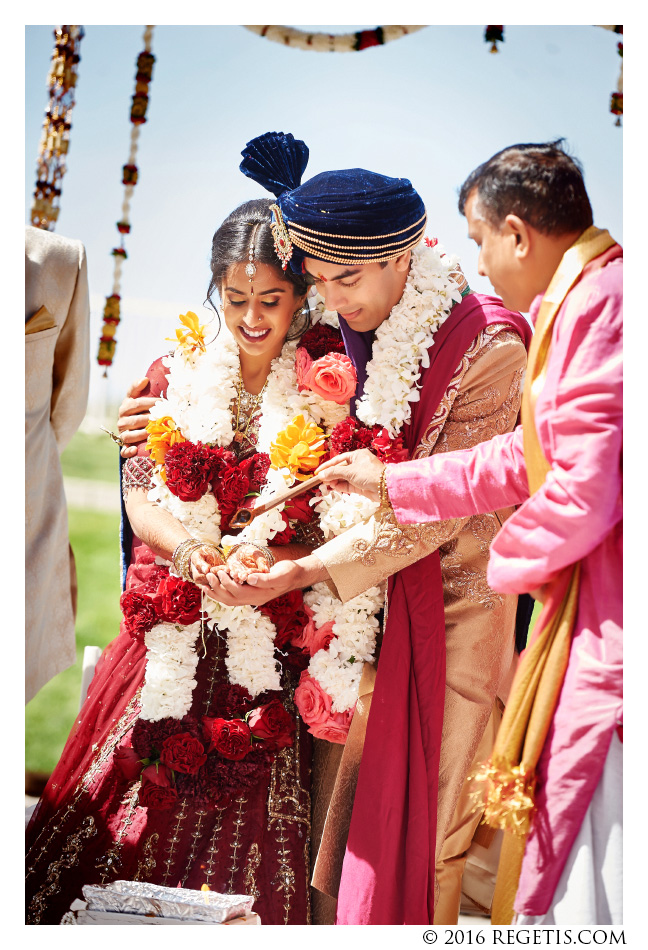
<point x="231" y="245"/>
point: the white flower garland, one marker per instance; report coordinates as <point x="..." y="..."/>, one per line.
<point x="402" y="341"/>
<point x="338" y="667"/>
<point x="171" y="662"/>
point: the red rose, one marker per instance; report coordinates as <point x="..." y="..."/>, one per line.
<point x="300" y="509"/>
<point x="128" y="762"/>
<point x="157" y="789"/>
<point x="273" y="724"/>
<point x="183" y="753"/>
<point x="229" y="737"/>
<point x="140" y="612"/>
<point x="177" y="601"/>
<point x="256" y="468"/>
<point x="288" y="615"/>
<point x="231" y="487"/>
<point x="189" y="470"/>
<point x="322" y="339"/>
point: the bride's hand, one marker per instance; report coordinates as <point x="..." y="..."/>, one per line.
<point x="205" y="560"/>
<point x="246" y="560"/>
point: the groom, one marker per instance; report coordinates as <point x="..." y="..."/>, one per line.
<point x="449" y="638"/>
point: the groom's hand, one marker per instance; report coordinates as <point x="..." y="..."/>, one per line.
<point x="133" y="417"/>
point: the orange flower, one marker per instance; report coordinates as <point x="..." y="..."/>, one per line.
<point x="298" y="448"/>
<point x="194" y="337"/>
<point x="162" y="434"/>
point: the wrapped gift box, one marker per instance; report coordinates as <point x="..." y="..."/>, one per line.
<point x="136" y="902"/>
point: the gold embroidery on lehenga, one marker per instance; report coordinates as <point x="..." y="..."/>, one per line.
<point x="307" y="859"/>
<point x="196" y="835"/>
<point x="213" y="843"/>
<point x="113" y="738"/>
<point x="236" y="843"/>
<point x="173" y="841"/>
<point x="69" y="857"/>
<point x="251" y="868"/>
<point x="148" y="863"/>
<point x="288" y="802"/>
<point x="110" y="862"/>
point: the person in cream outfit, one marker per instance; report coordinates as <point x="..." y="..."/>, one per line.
<point x="57" y="372"/>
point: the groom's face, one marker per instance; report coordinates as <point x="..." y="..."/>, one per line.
<point x="364" y="294"/>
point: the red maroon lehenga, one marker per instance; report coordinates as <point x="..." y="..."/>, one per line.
<point x="89" y="828"/>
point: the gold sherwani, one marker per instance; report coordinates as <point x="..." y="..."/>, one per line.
<point x="57" y="372"/>
<point x="482" y="400"/>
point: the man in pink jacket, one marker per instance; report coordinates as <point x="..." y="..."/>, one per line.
<point x="528" y="211"/>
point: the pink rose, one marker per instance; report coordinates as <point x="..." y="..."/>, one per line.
<point x="332" y="377"/>
<point x="314" y="706"/>
<point x="303" y="363"/>
<point x="313" y="638"/>
<point x="313" y="703"/>
<point x="336" y="729"/>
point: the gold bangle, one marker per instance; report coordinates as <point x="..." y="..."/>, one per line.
<point x="181" y="558"/>
<point x="266" y="551"/>
<point x="382" y="488"/>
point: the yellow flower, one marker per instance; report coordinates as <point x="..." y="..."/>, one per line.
<point x="194" y="338"/>
<point x="162" y="434"/>
<point x="299" y="448"/>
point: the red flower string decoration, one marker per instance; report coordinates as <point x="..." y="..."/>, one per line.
<point x="130" y="172"/>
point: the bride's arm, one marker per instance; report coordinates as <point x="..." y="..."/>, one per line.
<point x="163" y="533"/>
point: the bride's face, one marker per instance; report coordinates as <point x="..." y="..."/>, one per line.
<point x="258" y="313"/>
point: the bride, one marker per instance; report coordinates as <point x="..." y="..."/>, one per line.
<point x="189" y="763"/>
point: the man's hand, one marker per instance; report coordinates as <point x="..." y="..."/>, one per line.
<point x="260" y="588"/>
<point x="358" y="471"/>
<point x="133" y="417"/>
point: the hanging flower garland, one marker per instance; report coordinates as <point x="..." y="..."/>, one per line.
<point x="616" y="98"/>
<point x="494" y="35"/>
<point x="55" y="138"/>
<point x="143" y="76"/>
<point x="332" y="42"/>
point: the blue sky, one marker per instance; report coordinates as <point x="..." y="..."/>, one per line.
<point x="428" y="107"/>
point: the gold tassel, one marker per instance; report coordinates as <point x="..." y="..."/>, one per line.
<point x="506" y="796"/>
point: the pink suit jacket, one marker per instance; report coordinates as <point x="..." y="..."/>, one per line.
<point x="576" y="515"/>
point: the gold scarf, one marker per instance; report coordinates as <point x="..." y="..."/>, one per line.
<point x="509" y="776"/>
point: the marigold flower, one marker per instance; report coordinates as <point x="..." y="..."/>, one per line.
<point x="194" y="337"/>
<point x="298" y="448"/>
<point x="162" y="434"/>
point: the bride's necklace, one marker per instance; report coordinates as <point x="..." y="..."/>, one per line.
<point x="247" y="407"/>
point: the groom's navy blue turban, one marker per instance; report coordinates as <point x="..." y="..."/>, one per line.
<point x="351" y="216"/>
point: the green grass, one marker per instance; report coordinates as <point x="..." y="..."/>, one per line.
<point x="91" y="456"/>
<point x="49" y="716"/>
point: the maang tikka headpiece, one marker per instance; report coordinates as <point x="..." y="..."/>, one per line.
<point x="250" y="267"/>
